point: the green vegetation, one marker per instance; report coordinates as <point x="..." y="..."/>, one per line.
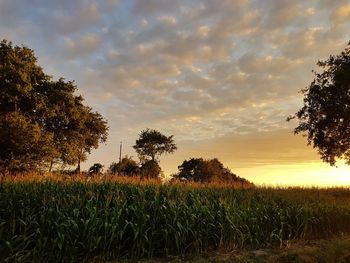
<point x="67" y="220"/>
<point x="42" y="121"/>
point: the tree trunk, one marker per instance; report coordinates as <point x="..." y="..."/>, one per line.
<point x="2" y="175"/>
<point x="80" y="154"/>
<point x="51" y="164"/>
<point x="78" y="167"/>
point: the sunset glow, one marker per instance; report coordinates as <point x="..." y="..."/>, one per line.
<point x="308" y="174"/>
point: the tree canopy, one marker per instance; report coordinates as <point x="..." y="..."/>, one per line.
<point x="151" y="170"/>
<point x="127" y="166"/>
<point x="42" y="121"/>
<point x="205" y="171"/>
<point x="151" y="144"/>
<point x="96" y="168"/>
<point x="325" y="115"/>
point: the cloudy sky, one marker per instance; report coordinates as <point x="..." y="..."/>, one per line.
<point x="221" y="76"/>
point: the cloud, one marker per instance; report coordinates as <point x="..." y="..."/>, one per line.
<point x="341" y="14"/>
<point x="153" y="6"/>
<point x="85" y="44"/>
<point x="170" y="20"/>
<point x="75" y="18"/>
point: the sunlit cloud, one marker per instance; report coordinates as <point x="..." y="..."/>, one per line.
<point x="341" y="14"/>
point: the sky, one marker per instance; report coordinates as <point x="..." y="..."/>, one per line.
<point x="221" y="76"/>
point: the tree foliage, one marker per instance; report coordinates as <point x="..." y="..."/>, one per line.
<point x="325" y="115"/>
<point x="151" y="144"/>
<point x="42" y="121"/>
<point x="89" y="129"/>
<point x="24" y="146"/>
<point x="96" y="168"/>
<point x="151" y="170"/>
<point x="205" y="171"/>
<point x="127" y="166"/>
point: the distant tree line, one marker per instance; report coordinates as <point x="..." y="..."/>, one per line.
<point x="151" y="144"/>
<point x="42" y="121"/>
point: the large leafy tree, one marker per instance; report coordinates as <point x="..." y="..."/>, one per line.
<point x="152" y="144"/>
<point x="61" y="117"/>
<point x="77" y="128"/>
<point x="42" y="121"/>
<point x="325" y="115"/>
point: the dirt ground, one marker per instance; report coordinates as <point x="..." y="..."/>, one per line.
<point x="336" y="250"/>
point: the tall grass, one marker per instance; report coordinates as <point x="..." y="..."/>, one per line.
<point x="56" y="220"/>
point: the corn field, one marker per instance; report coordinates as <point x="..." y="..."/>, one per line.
<point x="79" y="221"/>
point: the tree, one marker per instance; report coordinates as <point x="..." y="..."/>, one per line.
<point x="205" y="171"/>
<point x="23" y="143"/>
<point x="113" y="168"/>
<point x="151" y="170"/>
<point x="76" y="128"/>
<point x="151" y="144"/>
<point x="44" y="120"/>
<point x="60" y="116"/>
<point x="325" y="116"/>
<point x="127" y="166"/>
<point x="191" y="170"/>
<point x="95" y="169"/>
<point x="89" y="130"/>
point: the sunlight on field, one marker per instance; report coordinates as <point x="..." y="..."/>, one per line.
<point x="307" y="174"/>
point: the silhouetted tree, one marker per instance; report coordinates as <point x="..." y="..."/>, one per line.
<point x="127" y="166"/>
<point x="150" y="169"/>
<point x="151" y="144"/>
<point x="325" y="116"/>
<point x="205" y="171"/>
<point x="95" y="169"/>
<point x="113" y="168"/>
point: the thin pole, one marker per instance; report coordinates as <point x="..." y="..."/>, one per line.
<point x="120" y="152"/>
